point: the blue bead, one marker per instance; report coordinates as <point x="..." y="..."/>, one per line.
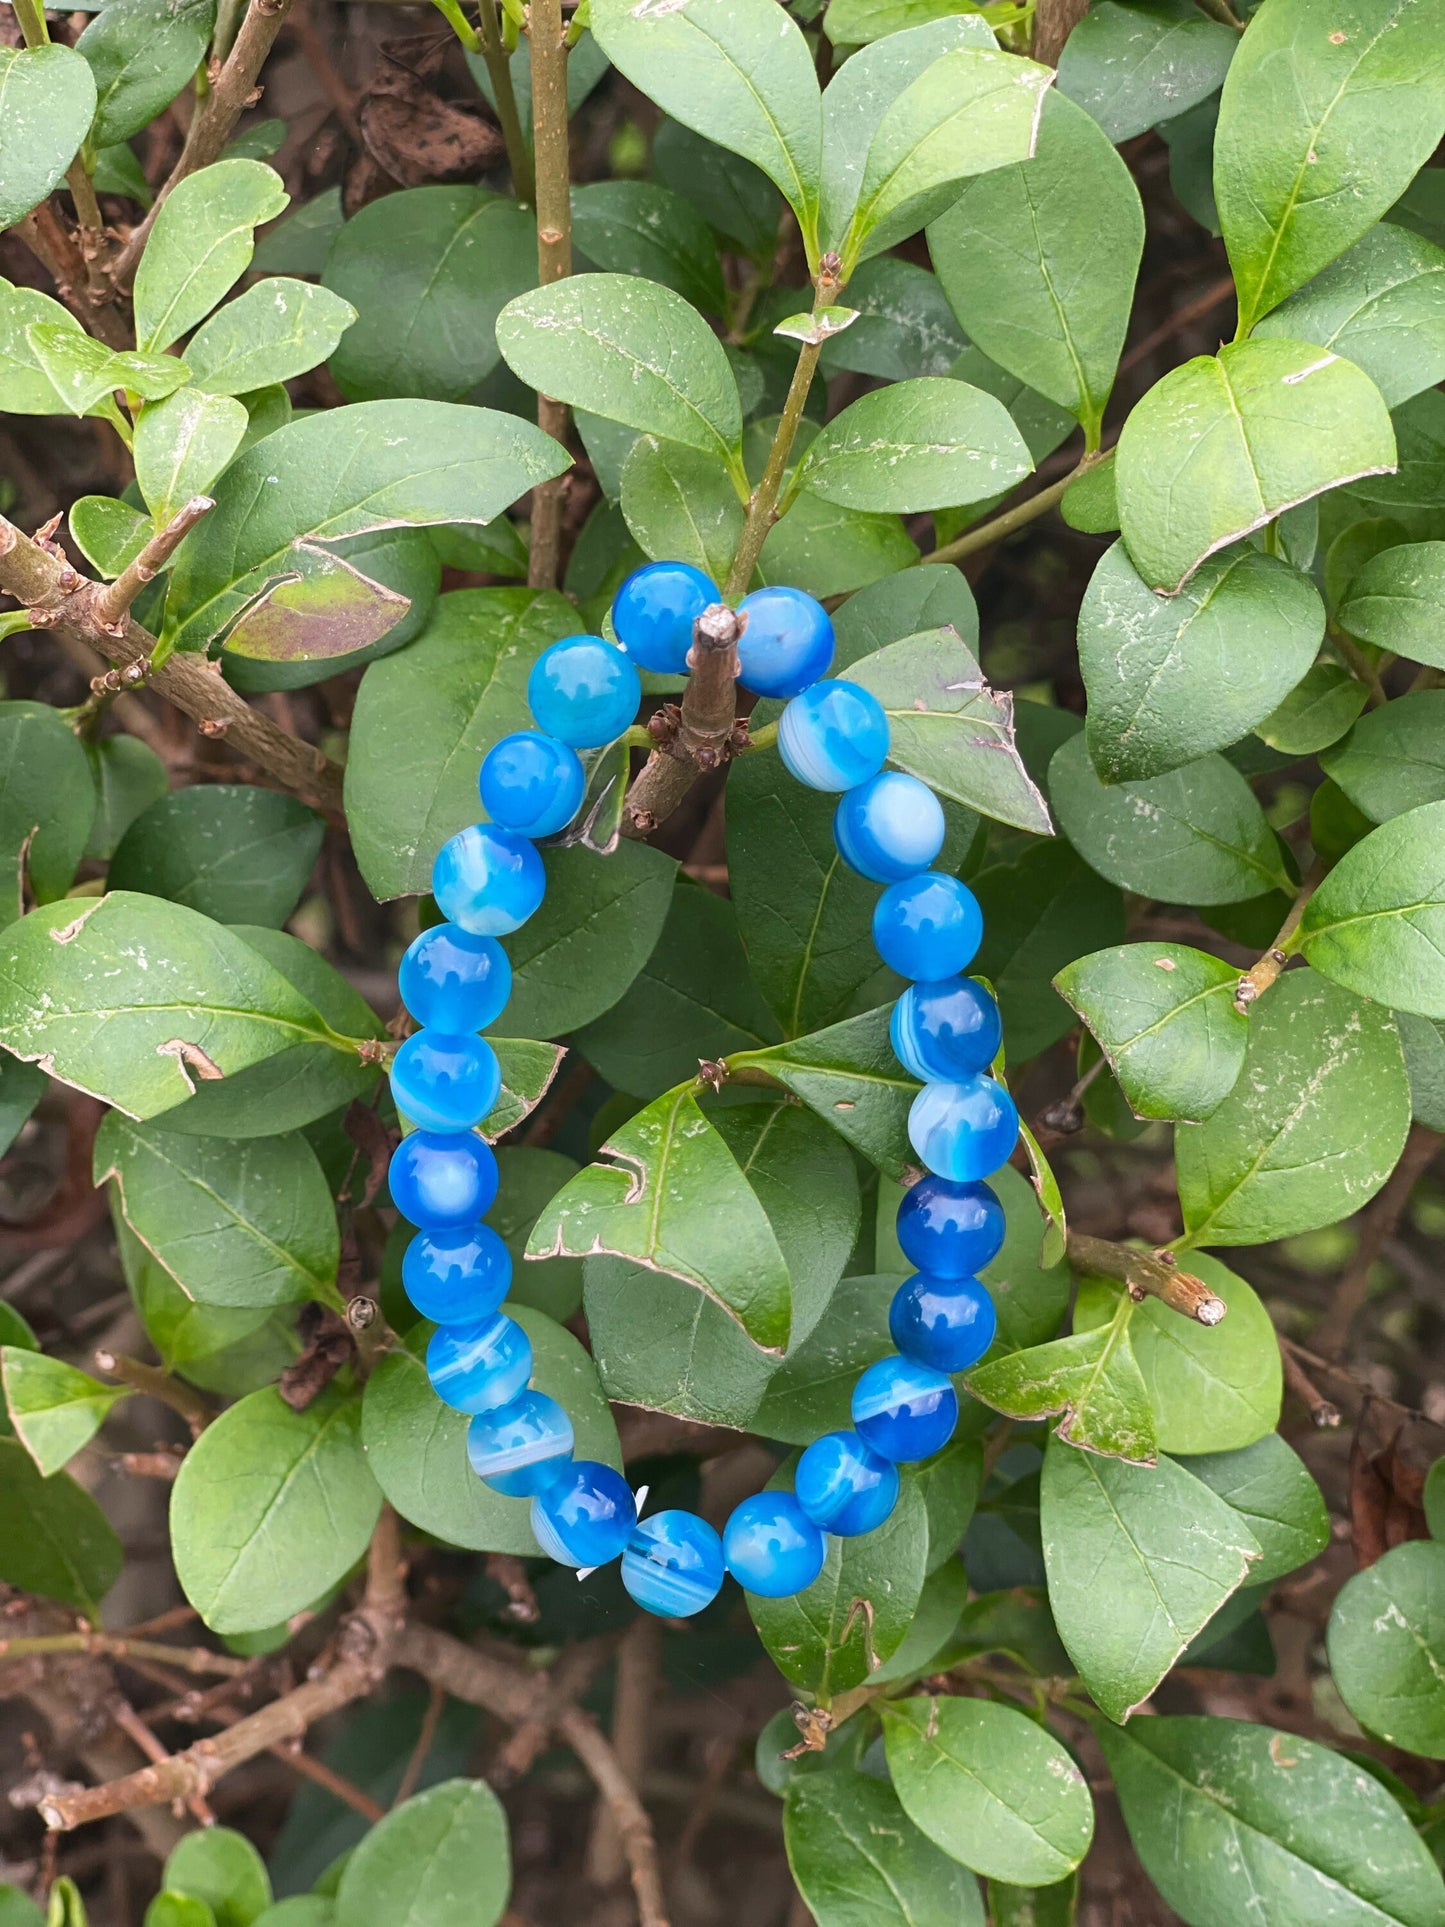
<point x="946" y="1029"/>
<point x="453" y="981"/>
<point x="844" y="1486"/>
<point x="889" y="828"/>
<point x="963" y="1130"/>
<point x="772" y="1547"/>
<point x="480" y="1367"/>
<point x="654" y="610"/>
<point x="456" y="1277"/>
<point x="928" y="926"/>
<point x="948" y="1323"/>
<point x="834" y="736"/>
<point x="531" y="783"/>
<point x="673" y="1565"/>
<point x="950" y="1230"/>
<point x="583" y="691"/>
<point x="521" y="1448"/>
<point x="585" y="1516"/>
<point x="440" y="1182"/>
<point x="905" y="1411"/>
<point x="488" y="880"/>
<point x="787" y="644"/>
<point x="445" y="1083"/>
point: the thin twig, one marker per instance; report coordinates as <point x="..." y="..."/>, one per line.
<point x="987" y="533"/>
<point x="186" y="1659"/>
<point x="633" y="1695"/>
<point x="630" y="1816"/>
<point x="499" y="71"/>
<point x="1323" y="1414"/>
<point x="1214" y="296"/>
<point x="1377" y="1227"/>
<point x="698" y="735"/>
<point x="430" y="1720"/>
<point x="162" y="1385"/>
<point x="112" y="605"/>
<point x="1360" y="667"/>
<point x="1148" y="1274"/>
<point x="135" y="1729"/>
<point x="547" y="35"/>
<point x="1265" y="971"/>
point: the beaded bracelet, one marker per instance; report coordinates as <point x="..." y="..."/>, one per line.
<point x="455" y="980"/>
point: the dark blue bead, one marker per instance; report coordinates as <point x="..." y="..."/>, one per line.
<point x="905" y="1411"/>
<point x="445" y="1083"/>
<point x="772" y="1547"/>
<point x="456" y="1277"/>
<point x="585" y="1516"/>
<point x="948" y="1323"/>
<point x="673" y="1565"/>
<point x="480" y="1367"/>
<point x="583" y="691"/>
<point x="454" y="981"/>
<point x="950" y="1230"/>
<point x="946" y="1029"/>
<point x="442" y="1181"/>
<point x="488" y="880"/>
<point x="834" y="736"/>
<point x="531" y="783"/>
<point x="964" y="1130"/>
<point x="654" y="610"/>
<point x="522" y="1447"/>
<point x="788" y="643"/>
<point x="927" y="926"/>
<point x="844" y="1486"/>
<point x="889" y="828"/>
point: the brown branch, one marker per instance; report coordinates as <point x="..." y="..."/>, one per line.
<point x="58" y="252"/>
<point x="1214" y="296"/>
<point x="1377" y="1227"/>
<point x="1148" y="1274"/>
<point x="158" y="1384"/>
<point x="634" y="1828"/>
<point x="136" y="1730"/>
<point x="1323" y="1415"/>
<point x="112" y="605"/>
<point x="1260" y="975"/>
<point x="1054" y="21"/>
<point x="186" y="1659"/>
<point x="569" y="1680"/>
<point x="633" y="1697"/>
<point x="430" y="1720"/>
<point x="697" y="736"/>
<point x="547" y="35"/>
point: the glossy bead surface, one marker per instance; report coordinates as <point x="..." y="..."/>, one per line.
<point x="964" y="1130"/>
<point x="479" y="1367"/>
<point x="583" y="691"/>
<point x="889" y="828"/>
<point x="488" y="880"/>
<point x="788" y="643"/>
<point x="531" y="783"/>
<point x="442" y="1181"/>
<point x="585" y="1516"/>
<point x="456" y="1277"/>
<point x="673" y="1565"/>
<point x="454" y="981"/>
<point x="903" y="1410"/>
<point x="948" y="1323"/>
<point x="950" y="1230"/>
<point x="834" y="736"/>
<point x="445" y="1083"/>
<point x="927" y="926"/>
<point x="844" y="1486"/>
<point x="772" y="1547"/>
<point x="946" y="1029"/>
<point x="519" y="1449"/>
<point x="654" y="610"/>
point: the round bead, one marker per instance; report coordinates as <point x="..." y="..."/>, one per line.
<point x="451" y="980"/>
<point x="948" y="1323"/>
<point x="531" y="783"/>
<point x="889" y="828"/>
<point x="833" y="736"/>
<point x="772" y="1547"/>
<point x="905" y="1411"/>
<point x="585" y="1515"/>
<point x="673" y="1565"/>
<point x="440" y="1182"/>
<point x="654" y="610"/>
<point x="445" y="1083"/>
<point x="519" y="1449"/>
<point x="844" y="1486"/>
<point x="788" y="642"/>
<point x="963" y="1130"/>
<point x="583" y="691"/>
<point x="480" y="1367"/>
<point x="928" y="926"/>
<point x="950" y="1230"/>
<point x="456" y="1277"/>
<point x="946" y="1029"/>
<point x="488" y="880"/>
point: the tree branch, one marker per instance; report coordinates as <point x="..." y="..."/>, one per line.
<point x="698" y="736"/>
<point x="1148" y="1274"/>
<point x="553" y="188"/>
<point x="1054" y="21"/>
<point x="112" y="605"/>
<point x="499" y="71"/>
<point x="155" y="1383"/>
<point x="186" y="1659"/>
<point x="1260" y="975"/>
<point x="987" y="533"/>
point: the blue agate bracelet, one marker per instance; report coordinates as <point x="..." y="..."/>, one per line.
<point x="455" y="980"/>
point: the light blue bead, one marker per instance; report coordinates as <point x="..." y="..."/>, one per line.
<point x="673" y="1565"/>
<point x="531" y="783"/>
<point x="946" y="1029"/>
<point x="583" y="691"/>
<point x="456" y="1277"/>
<point x="889" y="828"/>
<point x="963" y="1130"/>
<point x="654" y="610"/>
<point x="772" y="1547"/>
<point x="950" y="1230"/>
<point x="948" y="1323"/>
<point x="787" y="644"/>
<point x="927" y="926"/>
<point x="834" y="736"/>
<point x="905" y="1411"/>
<point x="521" y="1448"/>
<point x="445" y="1083"/>
<point x="844" y="1486"/>
<point x="488" y="880"/>
<point x="451" y="980"/>
<point x="585" y="1516"/>
<point x="480" y="1367"/>
<point x="442" y="1181"/>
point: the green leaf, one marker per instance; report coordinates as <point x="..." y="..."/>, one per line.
<point x="445" y="1848"/>
<point x="530" y="1175"/>
<point x="1317" y="711"/>
<point x="1393" y="760"/>
<point x="1051" y="1906"/>
<point x="1092" y="1378"/>
<point x="28" y="389"/>
<point x="196" y="1340"/>
<point x="638" y="228"/>
<point x="237" y="854"/>
<point x="222" y="1868"/>
<point x="734" y="197"/>
<point x="680" y="506"/>
<point x="850" y="1077"/>
<point x="1226" y="442"/>
<point x="47" y="100"/>
<point x="528" y="1068"/>
<point x="1377" y="921"/>
<point x="931" y="596"/>
<point x="301" y="1910"/>
<point x="860" y="1862"/>
<point x="54" y="1408"/>
<point x="274" y="331"/>
<point x="1268" y="1485"/>
<point x="989" y="1786"/>
<point x="47" y="805"/>
<point x="142" y="53"/>
<point x="66" y="1909"/>
<point x="1039" y="913"/>
<point x="829" y="550"/>
<point x="21" y="1088"/>
<point x="905" y="326"/>
<point x="1136" y="65"/>
<point x="54" y="1538"/>
<point x="109" y="534"/>
<point x="201" y="245"/>
<point x="84" y="373"/>
<point x="178" y="1910"/>
<point x="182" y="445"/>
<point x="17" y="1909"/>
<point x="1327" y="112"/>
<point x="1397" y="601"/>
<point x="1091" y="501"/>
<point x="916" y="445"/>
